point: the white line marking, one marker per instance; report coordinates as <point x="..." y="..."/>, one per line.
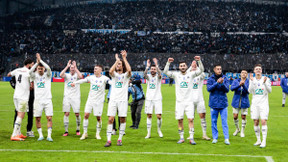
<point x="268" y="158"/>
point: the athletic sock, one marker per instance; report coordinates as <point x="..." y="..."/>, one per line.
<point x="243" y="125"/>
<point x="264" y="132"/>
<point x="181" y="133"/>
<point x="109" y="131"/>
<point x="191" y="132"/>
<point x="204" y="126"/>
<point x="121" y="130"/>
<point x="85" y="125"/>
<point x="17" y="126"/>
<point x="66" y="122"/>
<point x="49" y="132"/>
<point x="236" y="122"/>
<point x="40" y="132"/>
<point x="78" y="122"/>
<point x="149" y="125"/>
<point x="159" y="124"/>
<point x="98" y="127"/>
<point x="257" y="132"/>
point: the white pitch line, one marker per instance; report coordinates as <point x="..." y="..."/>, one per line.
<point x="268" y="158"/>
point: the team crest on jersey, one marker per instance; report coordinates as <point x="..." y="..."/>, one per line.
<point x="118" y="84"/>
<point x="152" y="86"/>
<point x="259" y="91"/>
<point x="184" y="85"/>
<point x="195" y="85"/>
<point x="41" y="84"/>
<point x="95" y="87"/>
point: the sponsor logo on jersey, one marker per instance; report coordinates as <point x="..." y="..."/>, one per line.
<point x="184" y="84"/>
<point x="118" y="84"/>
<point x="152" y="86"/>
<point x="95" y="87"/>
<point x="195" y="85"/>
<point x="41" y="84"/>
<point x="69" y="84"/>
<point x="259" y="91"/>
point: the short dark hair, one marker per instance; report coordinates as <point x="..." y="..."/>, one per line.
<point x="258" y="65"/>
<point x="99" y="66"/>
<point x="216" y="65"/>
<point x="28" y="61"/>
<point x="181" y="62"/>
<point x="153" y="65"/>
<point x="40" y="64"/>
<point x="244" y="70"/>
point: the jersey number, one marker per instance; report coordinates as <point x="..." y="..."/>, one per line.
<point x="19" y="78"/>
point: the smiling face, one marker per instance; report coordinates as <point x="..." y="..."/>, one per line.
<point x="153" y="70"/>
<point x="119" y="66"/>
<point x="182" y="67"/>
<point x="258" y="70"/>
<point x="72" y="69"/>
<point x="286" y="74"/>
<point x="40" y="69"/>
<point x="217" y="70"/>
<point x="97" y="70"/>
<point x="244" y="74"/>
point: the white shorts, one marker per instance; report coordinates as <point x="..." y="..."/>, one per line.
<point x="200" y="106"/>
<point x="261" y="112"/>
<point x="243" y="111"/>
<point x="96" y="106"/>
<point x="120" y="106"/>
<point x="186" y="107"/>
<point x="71" y="102"/>
<point x="150" y="104"/>
<point x="41" y="105"/>
<point x="21" y="105"/>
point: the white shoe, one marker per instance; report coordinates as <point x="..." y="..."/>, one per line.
<point x="236" y="132"/>
<point x="206" y="138"/>
<point x="257" y="143"/>
<point x="84" y="136"/>
<point x="160" y="134"/>
<point x="30" y="134"/>
<point x="227" y="142"/>
<point x="263" y="144"/>
<point x="242" y="134"/>
<point x="148" y="136"/>
<point x="98" y="136"/>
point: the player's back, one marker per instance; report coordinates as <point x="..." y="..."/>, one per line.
<point x="22" y="88"/>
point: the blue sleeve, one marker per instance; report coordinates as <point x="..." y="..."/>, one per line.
<point x="235" y="85"/>
<point x="211" y="85"/>
<point x="225" y="85"/>
<point x="245" y="87"/>
<point x="282" y="83"/>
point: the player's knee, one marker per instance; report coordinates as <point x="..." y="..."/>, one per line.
<point x="77" y="114"/>
<point x="98" y="118"/>
<point x="158" y="116"/>
<point x="86" y="116"/>
<point x="49" y="118"/>
<point x="149" y="115"/>
<point x="66" y="113"/>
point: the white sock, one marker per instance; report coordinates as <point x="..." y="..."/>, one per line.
<point x="98" y="127"/>
<point x="236" y="122"/>
<point x="264" y="132"/>
<point x="78" y="122"/>
<point x="243" y="125"/>
<point x="49" y="132"/>
<point x="149" y="125"/>
<point x="191" y="132"/>
<point x="204" y="126"/>
<point x="159" y="124"/>
<point x="109" y="131"/>
<point x="121" y="130"/>
<point x="257" y="132"/>
<point x="181" y="133"/>
<point x="85" y="125"/>
<point x="40" y="132"/>
<point x="66" y="122"/>
<point x="17" y="126"/>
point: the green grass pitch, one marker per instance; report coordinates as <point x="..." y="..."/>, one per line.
<point x="135" y="147"/>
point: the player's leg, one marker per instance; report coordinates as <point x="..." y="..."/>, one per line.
<point x="214" y="118"/>
<point x="179" y="114"/>
<point x="149" y="110"/>
<point x="264" y="111"/>
<point x="158" y="112"/>
<point x="189" y="109"/>
<point x="39" y="129"/>
<point x="49" y="113"/>
<point x="75" y="104"/>
<point x="37" y="113"/>
<point x="30" y="133"/>
<point x="244" y="113"/>
<point x="133" y="113"/>
<point x="283" y="99"/>
<point x="111" y="112"/>
<point x="201" y="110"/>
<point x="224" y="115"/>
<point x="15" y="117"/>
<point x="138" y="113"/>
<point x="255" y="115"/>
<point x="98" y="113"/>
<point x="122" y="113"/>
<point x="21" y="107"/>
<point x="236" y="121"/>
<point x="66" y="110"/>
<point x="87" y="111"/>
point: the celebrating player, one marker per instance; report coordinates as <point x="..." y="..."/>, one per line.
<point x="153" y="96"/>
<point x="120" y="73"/>
<point x="260" y="87"/>
<point x="218" y="86"/>
<point x="284" y="86"/>
<point x="183" y="84"/>
<point x="71" y="95"/>
<point x="95" y="99"/>
<point x="198" y="99"/>
<point x="21" y="96"/>
<point x="43" y="96"/>
<point x="240" y="101"/>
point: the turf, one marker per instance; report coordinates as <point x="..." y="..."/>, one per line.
<point x="134" y="141"/>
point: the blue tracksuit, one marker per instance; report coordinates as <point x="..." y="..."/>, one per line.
<point x="284" y="84"/>
<point x="218" y="103"/>
<point x="241" y="94"/>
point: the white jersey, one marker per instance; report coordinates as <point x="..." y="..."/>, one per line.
<point x="69" y="91"/>
<point x="97" y="87"/>
<point x="42" y="83"/>
<point x="259" y="91"/>
<point x="22" y="88"/>
<point x="197" y="86"/>
<point x="119" y="87"/>
<point x="153" y="87"/>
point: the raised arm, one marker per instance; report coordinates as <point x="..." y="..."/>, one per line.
<point x="251" y="83"/>
<point x="157" y="68"/>
<point x="112" y="69"/>
<point x="146" y="69"/>
<point x="128" y="67"/>
<point x="77" y="71"/>
<point x="200" y="69"/>
<point x="166" y="69"/>
<point x="267" y="84"/>
<point x="62" y="74"/>
<point x="49" y="73"/>
<point x="235" y="85"/>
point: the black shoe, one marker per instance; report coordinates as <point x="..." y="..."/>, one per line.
<point x="132" y="126"/>
<point x="283" y="105"/>
<point x="136" y="127"/>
